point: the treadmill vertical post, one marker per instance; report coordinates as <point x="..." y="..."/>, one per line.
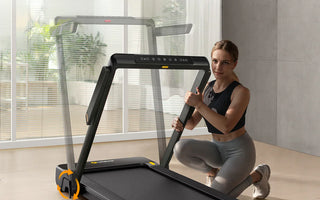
<point x="102" y="89"/>
<point x="200" y="82"/>
<point x="157" y="97"/>
<point x="65" y="104"/>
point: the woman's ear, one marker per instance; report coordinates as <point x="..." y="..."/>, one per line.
<point x="235" y="64"/>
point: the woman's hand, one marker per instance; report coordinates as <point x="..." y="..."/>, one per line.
<point x="193" y="99"/>
<point x="177" y="125"/>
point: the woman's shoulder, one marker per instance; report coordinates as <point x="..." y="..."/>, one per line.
<point x="241" y="90"/>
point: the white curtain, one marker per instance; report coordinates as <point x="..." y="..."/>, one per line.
<point x="205" y="15"/>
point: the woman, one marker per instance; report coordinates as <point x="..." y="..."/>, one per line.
<point x="230" y="157"/>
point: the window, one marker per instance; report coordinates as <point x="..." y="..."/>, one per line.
<point x="37" y="109"/>
<point x="5" y="71"/>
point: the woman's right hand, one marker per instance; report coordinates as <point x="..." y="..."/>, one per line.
<point x="177" y="124"/>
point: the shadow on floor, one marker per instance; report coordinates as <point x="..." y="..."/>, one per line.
<point x="244" y="197"/>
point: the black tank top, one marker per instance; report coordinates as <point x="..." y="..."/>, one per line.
<point x="220" y="102"/>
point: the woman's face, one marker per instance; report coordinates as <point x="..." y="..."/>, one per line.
<point x="222" y="64"/>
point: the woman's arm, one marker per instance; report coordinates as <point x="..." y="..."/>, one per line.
<point x="191" y="123"/>
<point x="194" y="120"/>
<point x="239" y="102"/>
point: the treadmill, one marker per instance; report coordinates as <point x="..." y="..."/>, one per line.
<point x="136" y="178"/>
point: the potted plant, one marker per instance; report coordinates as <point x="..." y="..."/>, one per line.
<point x="83" y="52"/>
<point x="40" y="47"/>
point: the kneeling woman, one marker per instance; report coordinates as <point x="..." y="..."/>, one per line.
<point x="230" y="157"/>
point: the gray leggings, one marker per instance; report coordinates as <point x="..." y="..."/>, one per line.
<point x="235" y="159"/>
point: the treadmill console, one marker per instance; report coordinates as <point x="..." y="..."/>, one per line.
<point x="156" y="59"/>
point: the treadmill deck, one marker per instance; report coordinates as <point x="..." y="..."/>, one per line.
<point x="141" y="183"/>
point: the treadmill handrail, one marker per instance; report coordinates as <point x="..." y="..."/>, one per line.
<point x="146" y="61"/>
<point x="136" y="61"/>
<point x="69" y="24"/>
<point x="143" y="61"/>
<point x="119" y="20"/>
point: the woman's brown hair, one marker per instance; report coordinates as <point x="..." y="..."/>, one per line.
<point x="228" y="46"/>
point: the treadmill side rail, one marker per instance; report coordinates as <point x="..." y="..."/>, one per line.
<point x="191" y="183"/>
<point x="102" y="89"/>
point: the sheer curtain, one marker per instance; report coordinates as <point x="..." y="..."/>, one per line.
<point x="205" y="16"/>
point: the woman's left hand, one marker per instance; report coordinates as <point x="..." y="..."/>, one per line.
<point x="193" y="99"/>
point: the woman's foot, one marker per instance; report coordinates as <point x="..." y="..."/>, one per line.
<point x="211" y="176"/>
<point x="262" y="187"/>
<point x="209" y="180"/>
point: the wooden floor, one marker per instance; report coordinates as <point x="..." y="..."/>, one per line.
<point x="29" y="173"/>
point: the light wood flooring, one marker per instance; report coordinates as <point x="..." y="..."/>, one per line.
<point x="29" y="173"/>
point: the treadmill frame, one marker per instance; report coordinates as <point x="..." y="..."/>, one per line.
<point x="70" y="24"/>
<point x="132" y="61"/>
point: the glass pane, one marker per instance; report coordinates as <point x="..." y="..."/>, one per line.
<point x="39" y="110"/>
<point x="86" y="52"/>
<point x="37" y="87"/>
<point x="5" y="70"/>
<point x="174" y="84"/>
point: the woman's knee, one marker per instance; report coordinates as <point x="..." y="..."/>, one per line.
<point x="222" y="185"/>
<point x="181" y="148"/>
